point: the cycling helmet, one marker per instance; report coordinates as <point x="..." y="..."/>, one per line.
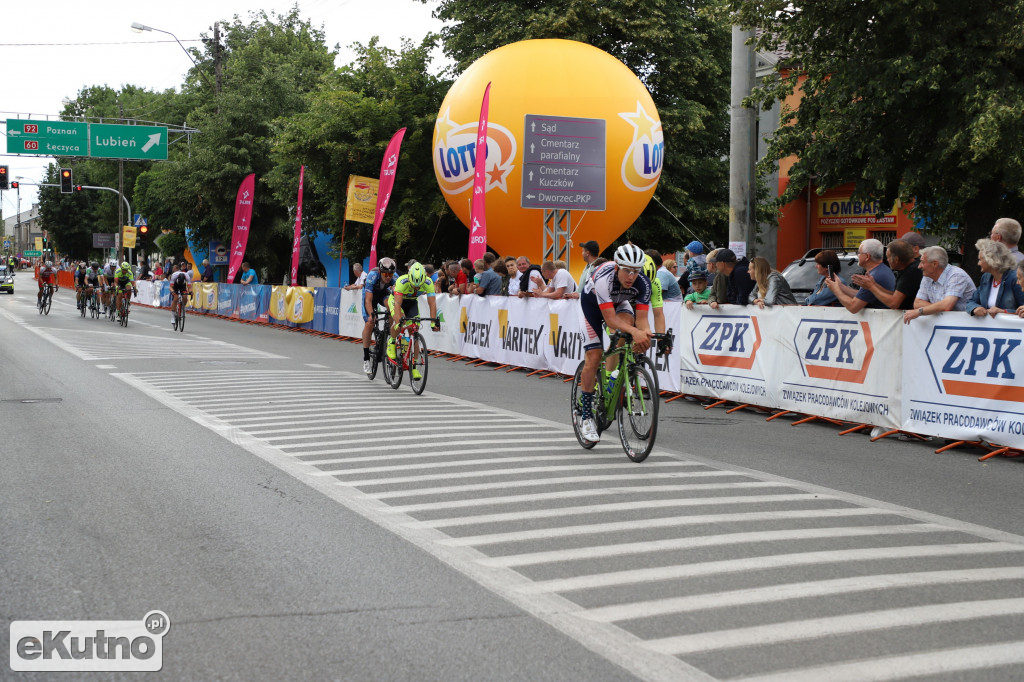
<point x="650" y="270"/>
<point x="417" y="275"/>
<point x="386" y="265"/>
<point x="126" y="265"/>
<point x="630" y="256"/>
<point x="94" y="265"/>
<point x="49" y="263"/>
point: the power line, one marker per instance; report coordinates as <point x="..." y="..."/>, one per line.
<point x="126" y="42"/>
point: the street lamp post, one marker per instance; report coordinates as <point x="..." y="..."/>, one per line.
<point x="139" y="28"/>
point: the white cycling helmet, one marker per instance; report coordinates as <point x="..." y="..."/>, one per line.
<point x="630" y="256"/>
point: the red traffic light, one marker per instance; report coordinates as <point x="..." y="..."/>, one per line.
<point x="65" y="172"/>
<point x="14" y="185"/>
<point x="143" y="229"/>
<point x="78" y="188"/>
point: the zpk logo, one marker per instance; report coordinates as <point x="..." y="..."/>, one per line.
<point x="977" y="363"/>
<point x="834" y="350"/>
<point x="726" y="340"/>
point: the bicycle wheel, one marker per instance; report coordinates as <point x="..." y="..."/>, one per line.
<point x="181" y="315"/>
<point x="376" y="353"/>
<point x="576" y="409"/>
<point x="47" y="301"/>
<point x="652" y="370"/>
<point x="393" y="370"/>
<point x="81" y="301"/>
<point x="419" y="347"/>
<point x="637" y="414"/>
<point x="123" y="312"/>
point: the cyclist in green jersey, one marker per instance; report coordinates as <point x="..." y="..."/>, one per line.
<point x="403" y="303"/>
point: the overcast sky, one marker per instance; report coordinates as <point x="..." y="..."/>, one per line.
<point x="51" y="49"/>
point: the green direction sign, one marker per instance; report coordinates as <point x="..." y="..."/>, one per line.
<point x="48" y="138"/>
<point x="32" y="254"/>
<point x="110" y="141"/>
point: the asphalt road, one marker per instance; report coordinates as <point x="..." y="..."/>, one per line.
<point x="296" y="520"/>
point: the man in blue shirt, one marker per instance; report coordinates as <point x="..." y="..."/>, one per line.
<point x="249" y="275"/>
<point x="869" y="256"/>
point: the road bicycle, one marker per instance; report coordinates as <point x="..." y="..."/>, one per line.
<point x="178" y="306"/>
<point x="123" y="305"/>
<point x="381" y="321"/>
<point x="93" y="302"/>
<point x="81" y="302"/>
<point x="410" y="353"/>
<point x="46" y="300"/>
<point x="631" y="400"/>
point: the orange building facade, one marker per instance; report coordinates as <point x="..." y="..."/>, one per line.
<point x="831" y="220"/>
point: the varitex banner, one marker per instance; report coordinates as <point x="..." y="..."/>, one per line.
<point x="965" y="378"/>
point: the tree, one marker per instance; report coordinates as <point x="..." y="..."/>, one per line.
<point x="908" y="100"/>
<point x="679" y="50"/>
<point x="269" y="65"/>
<point x="345" y="131"/>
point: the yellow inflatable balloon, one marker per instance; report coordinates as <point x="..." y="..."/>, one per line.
<point x="569" y="127"/>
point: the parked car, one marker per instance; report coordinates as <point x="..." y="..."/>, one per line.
<point x="6" y="280"/>
<point x="802" y="276"/>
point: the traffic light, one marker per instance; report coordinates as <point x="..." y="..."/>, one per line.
<point x="14" y="185"/>
<point x="143" y="229"/>
<point x="67" y="184"/>
<point x="78" y="188"/>
<point x="3" y="177"/>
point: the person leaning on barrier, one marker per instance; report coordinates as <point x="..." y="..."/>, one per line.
<point x="490" y="281"/>
<point x="906" y="271"/>
<point x="736" y="274"/>
<point x="944" y="287"/>
<point x="560" y="282"/>
<point x="869" y="256"/>
<point x="770" y="287"/>
<point x="1007" y="231"/>
<point x="700" y="294"/>
<point x="821" y="294"/>
<point x="719" y="287"/>
<point x="1020" y="283"/>
<point x="998" y="291"/>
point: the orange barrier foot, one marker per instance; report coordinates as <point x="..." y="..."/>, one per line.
<point x="811" y="418"/>
<point x="717" y="403"/>
<point x="783" y="413"/>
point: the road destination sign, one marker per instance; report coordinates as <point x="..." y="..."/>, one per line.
<point x="563" y="163"/>
<point x="97" y="140"/>
<point x="48" y="138"/>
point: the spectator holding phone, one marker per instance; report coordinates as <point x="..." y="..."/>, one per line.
<point x="827" y="263"/>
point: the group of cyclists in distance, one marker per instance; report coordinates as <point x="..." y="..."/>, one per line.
<point x="616" y="294"/>
<point x="113" y="281"/>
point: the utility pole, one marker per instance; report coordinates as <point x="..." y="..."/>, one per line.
<point x="216" y="54"/>
<point x="741" y="141"/>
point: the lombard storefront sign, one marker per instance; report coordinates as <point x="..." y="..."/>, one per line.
<point x="844" y="211"/>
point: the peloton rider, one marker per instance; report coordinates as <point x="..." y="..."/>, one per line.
<point x="376" y="289"/>
<point x="609" y="298"/>
<point x="47" y="275"/>
<point x="404" y="303"/>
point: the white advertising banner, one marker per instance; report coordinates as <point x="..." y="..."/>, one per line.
<point x="827" y="362"/>
<point x="963" y="379"/>
<point x="820" y="361"/>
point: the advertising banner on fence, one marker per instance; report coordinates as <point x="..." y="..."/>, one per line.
<point x="813" y="360"/>
<point x="208" y="297"/>
<point x="299" y="303"/>
<point x="254" y="302"/>
<point x="227" y="300"/>
<point x="327" y="308"/>
<point x="965" y="378"/>
<point x="847" y="366"/>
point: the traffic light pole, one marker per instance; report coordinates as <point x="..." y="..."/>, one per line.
<point x="105" y="189"/>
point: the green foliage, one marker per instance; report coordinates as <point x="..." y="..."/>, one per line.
<point x="680" y="50"/>
<point x="910" y="100"/>
<point x="346" y="130"/>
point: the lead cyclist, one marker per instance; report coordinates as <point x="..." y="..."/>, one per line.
<point x="609" y="298"/>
